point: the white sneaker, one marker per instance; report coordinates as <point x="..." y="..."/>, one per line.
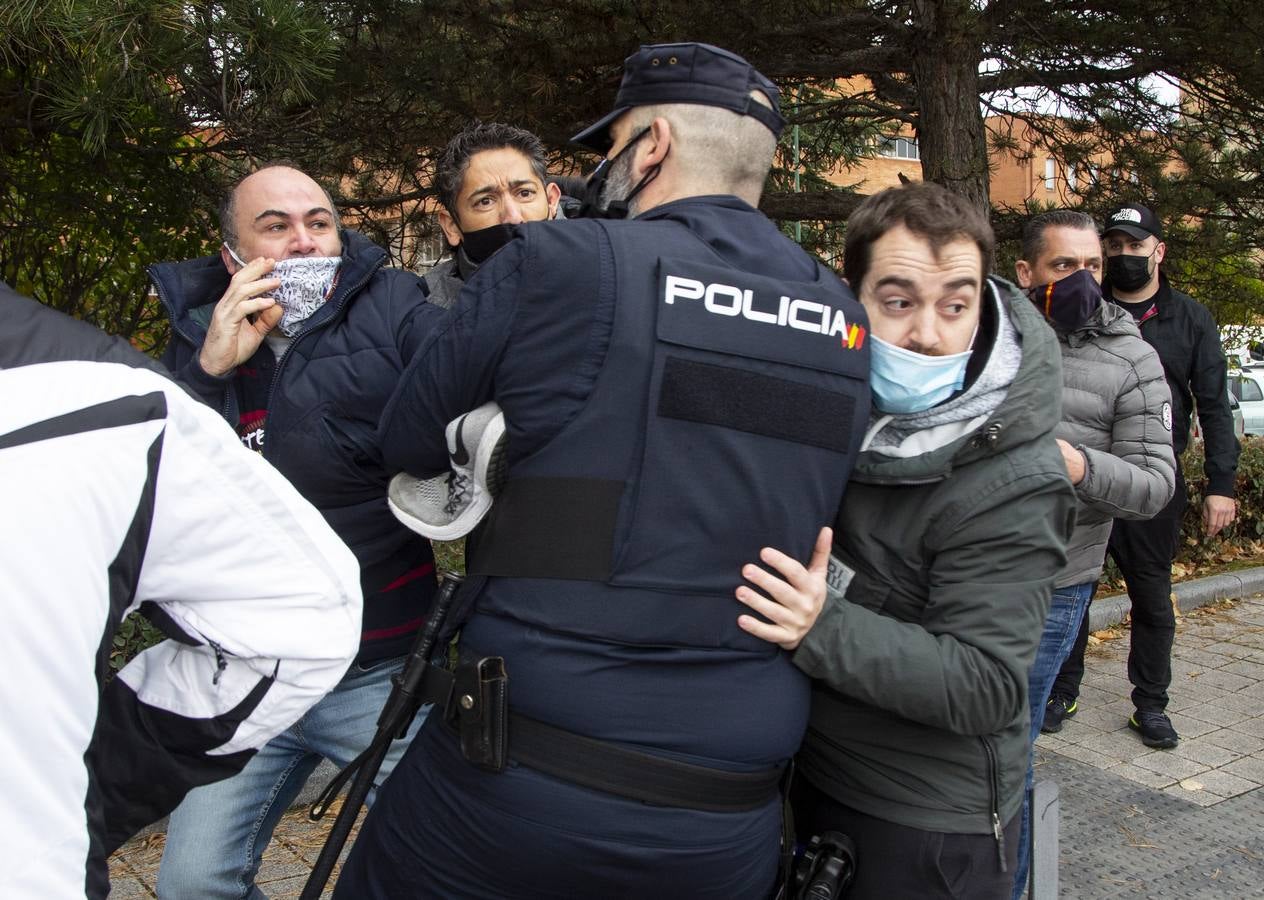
<point x="448" y="506"/>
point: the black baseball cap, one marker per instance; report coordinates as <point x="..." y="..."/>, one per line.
<point x="686" y="73"/>
<point x="1135" y="220"/>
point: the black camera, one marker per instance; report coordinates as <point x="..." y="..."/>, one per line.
<point x="826" y="867"/>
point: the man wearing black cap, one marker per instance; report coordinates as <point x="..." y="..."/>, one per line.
<point x="682" y="389"/>
<point x="1185" y="336"/>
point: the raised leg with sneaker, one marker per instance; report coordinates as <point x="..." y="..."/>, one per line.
<point x="448" y="506"/>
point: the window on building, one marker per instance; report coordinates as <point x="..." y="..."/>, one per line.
<point x="898" y="148"/>
<point x="1071" y="178"/>
<point x="1051" y="174"/>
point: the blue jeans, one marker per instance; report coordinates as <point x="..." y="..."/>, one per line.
<point x="217" y="836"/>
<point x="1061" y="627"/>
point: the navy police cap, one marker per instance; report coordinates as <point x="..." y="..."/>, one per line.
<point x="686" y="73"/>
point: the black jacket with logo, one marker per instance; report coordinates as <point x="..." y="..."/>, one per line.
<point x="1188" y="343"/>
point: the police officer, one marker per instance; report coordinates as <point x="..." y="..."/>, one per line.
<point x="682" y="389"/>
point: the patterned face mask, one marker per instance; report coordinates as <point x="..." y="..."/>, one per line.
<point x="306" y="283"/>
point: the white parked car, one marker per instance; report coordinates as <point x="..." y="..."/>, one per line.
<point x="1235" y="409"/>
<point x="1247" y="386"/>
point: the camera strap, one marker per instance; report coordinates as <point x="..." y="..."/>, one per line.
<point x="785" y="870"/>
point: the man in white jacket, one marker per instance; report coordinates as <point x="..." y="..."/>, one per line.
<point x="123" y="493"/>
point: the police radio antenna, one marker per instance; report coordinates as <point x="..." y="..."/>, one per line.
<point x="397" y="714"/>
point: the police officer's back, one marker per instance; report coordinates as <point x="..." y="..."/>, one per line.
<point x="681" y="389"/>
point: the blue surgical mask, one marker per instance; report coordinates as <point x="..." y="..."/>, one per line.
<point x="907" y="382"/>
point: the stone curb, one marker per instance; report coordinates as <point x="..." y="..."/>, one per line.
<point x="1107" y="611"/>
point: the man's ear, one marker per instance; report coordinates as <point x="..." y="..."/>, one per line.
<point x="553" y="194"/>
<point x="450" y="229"/>
<point x="1160" y="251"/>
<point x="660" y="142"/>
<point x="227" y="258"/>
<point x="1023" y="272"/>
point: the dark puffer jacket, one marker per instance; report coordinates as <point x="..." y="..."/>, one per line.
<point x="1187" y="340"/>
<point x="324" y="398"/>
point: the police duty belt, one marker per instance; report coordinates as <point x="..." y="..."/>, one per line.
<point x="474" y="702"/>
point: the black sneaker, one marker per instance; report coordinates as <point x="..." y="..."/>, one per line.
<point x="1155" y="728"/>
<point x="1057" y="709"/>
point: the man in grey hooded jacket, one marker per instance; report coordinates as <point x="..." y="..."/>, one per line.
<point x="954" y="527"/>
<point x="1115" y="435"/>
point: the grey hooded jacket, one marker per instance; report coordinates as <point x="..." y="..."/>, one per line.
<point x="919" y="711"/>
<point x="1117" y="410"/>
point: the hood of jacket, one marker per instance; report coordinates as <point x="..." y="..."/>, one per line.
<point x="191" y="288"/>
<point x="1032" y="406"/>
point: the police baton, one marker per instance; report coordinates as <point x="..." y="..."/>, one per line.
<point x="401" y="706"/>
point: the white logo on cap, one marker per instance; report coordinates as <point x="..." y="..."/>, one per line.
<point x="1129" y="215"/>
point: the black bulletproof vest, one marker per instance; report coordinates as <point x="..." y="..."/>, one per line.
<point x="726" y="418"/>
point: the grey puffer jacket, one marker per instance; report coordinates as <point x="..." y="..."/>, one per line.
<point x="1117" y="410"/>
<point x="919" y="712"/>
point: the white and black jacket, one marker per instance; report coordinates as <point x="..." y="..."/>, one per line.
<point x="121" y="492"/>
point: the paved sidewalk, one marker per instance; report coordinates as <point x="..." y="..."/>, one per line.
<point x="1135" y="822"/>
<point x="287" y="862"/>
<point x="1186" y="822"/>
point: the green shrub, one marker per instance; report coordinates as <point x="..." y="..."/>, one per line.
<point x="1243" y="540"/>
<point x="134" y="635"/>
<point x="1244" y="537"/>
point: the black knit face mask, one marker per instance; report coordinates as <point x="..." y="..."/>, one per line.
<point x="1069" y="302"/>
<point x="484" y="242"/>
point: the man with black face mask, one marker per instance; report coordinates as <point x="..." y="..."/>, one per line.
<point x="1115" y="437"/>
<point x="1187" y="341"/>
<point x="490" y="179"/>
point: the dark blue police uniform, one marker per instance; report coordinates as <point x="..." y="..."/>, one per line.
<point x="680" y="390"/>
